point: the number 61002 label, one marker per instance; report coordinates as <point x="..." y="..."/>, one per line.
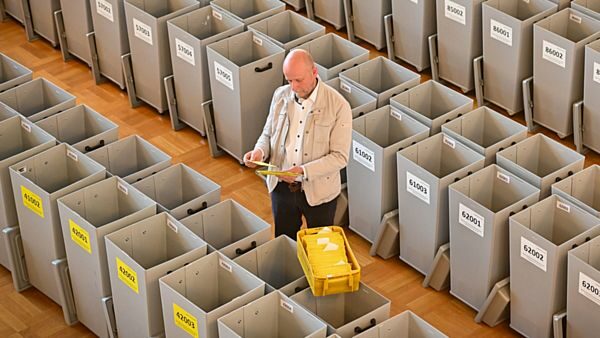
<point x="363" y="155"/>
<point x="418" y="187"/>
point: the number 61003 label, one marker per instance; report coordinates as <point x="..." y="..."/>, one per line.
<point x="418" y="187"/>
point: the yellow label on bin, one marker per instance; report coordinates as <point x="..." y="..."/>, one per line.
<point x="80" y="236"/>
<point x="127" y="275"/>
<point x="32" y="201"/>
<point x="185" y="321"/>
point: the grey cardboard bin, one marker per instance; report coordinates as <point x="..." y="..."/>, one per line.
<point x="558" y="63"/>
<point x="236" y="65"/>
<point x="189" y="34"/>
<point x="586" y="119"/>
<point x="583" y="290"/>
<point x="230" y="228"/>
<point x="77" y="23"/>
<point x="582" y="189"/>
<point x="42" y="15"/>
<point x="131" y="158"/>
<point x="83" y="128"/>
<point x="360" y="102"/>
<point x="330" y="11"/>
<point x="540" y="237"/>
<point x="334" y="54"/>
<point x="196" y="295"/>
<point x="250" y="11"/>
<point x="19" y="140"/>
<point x="486" y="131"/>
<point x="540" y="161"/>
<point x="37" y="99"/>
<point x="87" y="216"/>
<point x="381" y="78"/>
<point x="347" y="313"/>
<point x="180" y="190"/>
<point x="425" y="170"/>
<point x="589" y="7"/>
<point x="372" y="173"/>
<point x="364" y="19"/>
<point x="432" y="104"/>
<point x="297" y="4"/>
<point x="149" y="43"/>
<point x="7" y="112"/>
<point x="479" y="206"/>
<point x="37" y="183"/>
<point x="404" y="325"/>
<point x="276" y="263"/>
<point x="138" y="255"/>
<point x="12" y="73"/>
<point x="288" y="29"/>
<point x="508" y="48"/>
<point x="273" y="315"/>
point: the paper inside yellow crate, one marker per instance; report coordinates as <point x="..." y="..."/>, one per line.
<point x="333" y="270"/>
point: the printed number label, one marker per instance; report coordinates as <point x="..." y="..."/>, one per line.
<point x="589" y="288"/>
<point x="287" y="306"/>
<point x="104" y="8"/>
<point x="501" y="32"/>
<point x="80" y="236"/>
<point x="415" y="1"/>
<point x="533" y="253"/>
<point x="142" y="31"/>
<point x="224" y="75"/>
<point x="363" y="155"/>
<point x="127" y="275"/>
<point x="554" y="54"/>
<point x="471" y="219"/>
<point x="32" y="201"/>
<point x="455" y="12"/>
<point x="185" y="321"/>
<point x="597" y="72"/>
<point x="417" y="187"/>
<point x="185" y="52"/>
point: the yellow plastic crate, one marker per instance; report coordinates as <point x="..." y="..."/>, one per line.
<point x="328" y="284"/>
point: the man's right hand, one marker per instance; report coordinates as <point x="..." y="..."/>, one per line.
<point x="254" y="155"/>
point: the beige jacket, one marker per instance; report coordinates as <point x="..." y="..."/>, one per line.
<point x="326" y="142"/>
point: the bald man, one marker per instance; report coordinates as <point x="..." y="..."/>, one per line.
<point x="307" y="134"/>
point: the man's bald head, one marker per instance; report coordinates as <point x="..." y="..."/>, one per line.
<point x="300" y="71"/>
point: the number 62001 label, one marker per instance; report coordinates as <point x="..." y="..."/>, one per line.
<point x="471" y="219"/>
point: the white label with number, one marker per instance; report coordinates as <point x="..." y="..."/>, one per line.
<point x="26" y="126"/>
<point x="455" y="12"/>
<point x="257" y="40"/>
<point x="575" y="18"/>
<point x="470" y="219"/>
<point x="396" y="114"/>
<point x="217" y="15"/>
<point x="225" y="265"/>
<point x="597" y="72"/>
<point x="418" y="187"/>
<point x="415" y="1"/>
<point x="172" y="226"/>
<point x="142" y="31"/>
<point x="503" y="178"/>
<point x="449" y="142"/>
<point x="501" y="32"/>
<point x="224" y="75"/>
<point x="554" y="54"/>
<point x="562" y="206"/>
<point x="122" y="188"/>
<point x="104" y="8"/>
<point x="345" y="87"/>
<point x="287" y="306"/>
<point x="589" y="288"/>
<point x="72" y="156"/>
<point x="185" y="52"/>
<point x="363" y="155"/>
<point x="534" y="254"/>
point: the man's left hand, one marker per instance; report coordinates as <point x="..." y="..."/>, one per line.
<point x="290" y="179"/>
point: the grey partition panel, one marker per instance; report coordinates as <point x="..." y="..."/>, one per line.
<point x="37" y="99"/>
<point x="196" y="295"/>
<point x="479" y="206"/>
<point x="540" y="238"/>
<point x="81" y="127"/>
<point x="180" y="190"/>
<point x="360" y="102"/>
<point x="131" y="158"/>
<point x="12" y="73"/>
<point x="19" y="140"/>
<point x="236" y="65"/>
<point x="459" y="40"/>
<point x="558" y="52"/>
<point x="297" y="4"/>
<point x="589" y="7"/>
<point x="288" y="29"/>
<point x="138" y="255"/>
<point x="87" y="216"/>
<point x="15" y="9"/>
<point x="404" y="325"/>
<point x="77" y="18"/>
<point x="582" y="189"/>
<point x="110" y="33"/>
<point x="591" y="99"/>
<point x="230" y="228"/>
<point x="381" y="78"/>
<point x="334" y="54"/>
<point x="413" y="23"/>
<point x="37" y="183"/>
<point x="273" y="315"/>
<point x="372" y="173"/>
<point x="486" y="131"/>
<point x="189" y="34"/>
<point x="425" y="170"/>
<point x="250" y="11"/>
<point x="540" y="161"/>
<point x="433" y="104"/>
<point x="149" y="43"/>
<point x="367" y="20"/>
<point x="42" y="15"/>
<point x="583" y="290"/>
<point x="508" y="48"/>
<point x="331" y="11"/>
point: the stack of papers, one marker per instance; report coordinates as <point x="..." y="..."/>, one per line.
<point x="326" y="252"/>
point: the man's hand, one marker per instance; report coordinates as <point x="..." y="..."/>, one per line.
<point x="254" y="155"/>
<point x="290" y="179"/>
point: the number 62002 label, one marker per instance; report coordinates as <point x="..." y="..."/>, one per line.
<point x="589" y="288"/>
<point x="534" y="254"/>
<point x="185" y="321"/>
<point x="418" y="187"/>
